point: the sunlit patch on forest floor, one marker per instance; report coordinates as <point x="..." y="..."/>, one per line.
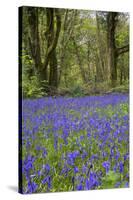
<point x="73" y="144"/>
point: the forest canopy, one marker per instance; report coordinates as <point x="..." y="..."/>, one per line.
<point x="73" y="52"/>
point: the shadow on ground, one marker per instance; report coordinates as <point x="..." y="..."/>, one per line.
<point x="13" y="188"/>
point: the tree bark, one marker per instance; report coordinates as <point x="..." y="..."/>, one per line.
<point x="52" y="35"/>
<point x="53" y="76"/>
<point x="77" y="53"/>
<point x="68" y="27"/>
<point x="111" y="26"/>
<point x="99" y="52"/>
<point x="34" y="42"/>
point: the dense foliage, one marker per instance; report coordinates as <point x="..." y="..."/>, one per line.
<point x="73" y="52"/>
<point x="75" y="143"/>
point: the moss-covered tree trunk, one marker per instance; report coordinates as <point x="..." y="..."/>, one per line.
<point x="52" y="35"/>
<point x="53" y="76"/>
<point x="34" y="42"/>
<point x="112" y="55"/>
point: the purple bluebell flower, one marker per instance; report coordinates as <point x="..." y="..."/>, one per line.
<point x="127" y="184"/>
<point x="121" y="165"/>
<point x="88" y="135"/>
<point x="72" y="156"/>
<point x="39" y="173"/>
<point x="106" y="165"/>
<point x="44" y="180"/>
<point x="79" y="187"/>
<point x="93" y="180"/>
<point x="44" y="153"/>
<point x="104" y="154"/>
<point x="28" y="162"/>
<point x="76" y="170"/>
<point x="87" y="184"/>
<point x="32" y="187"/>
<point x="126" y="156"/>
<point x="115" y="167"/>
<point x="38" y="148"/>
<point x="117" y="184"/>
<point x="47" y="168"/>
<point x="47" y="180"/>
<point x="117" y="156"/>
<point x="84" y="154"/>
<point x="84" y="169"/>
<point x="93" y="157"/>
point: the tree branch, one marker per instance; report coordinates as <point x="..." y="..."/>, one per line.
<point x="122" y="50"/>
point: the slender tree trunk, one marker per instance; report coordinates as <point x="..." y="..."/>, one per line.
<point x="99" y="51"/>
<point x="68" y="27"/>
<point x="98" y="76"/>
<point x="79" y="61"/>
<point x="88" y="62"/>
<point x="53" y="76"/>
<point x="121" y="77"/>
<point x="62" y="66"/>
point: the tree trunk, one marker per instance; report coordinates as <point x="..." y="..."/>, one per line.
<point x="53" y="76"/>
<point x="88" y="62"/>
<point x="52" y="35"/>
<point x="99" y="51"/>
<point x="83" y="75"/>
<point x="111" y="26"/>
<point x="68" y="27"/>
<point x="98" y="77"/>
<point x="121" y="76"/>
<point x="34" y="43"/>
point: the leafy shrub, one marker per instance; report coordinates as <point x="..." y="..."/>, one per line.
<point x="32" y="89"/>
<point x="77" y="91"/>
<point x="110" y="180"/>
<point x="31" y="86"/>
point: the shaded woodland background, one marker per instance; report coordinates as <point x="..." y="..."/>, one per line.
<point x="73" y="52"/>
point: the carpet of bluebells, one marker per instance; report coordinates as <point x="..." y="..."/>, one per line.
<point x="72" y="144"/>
